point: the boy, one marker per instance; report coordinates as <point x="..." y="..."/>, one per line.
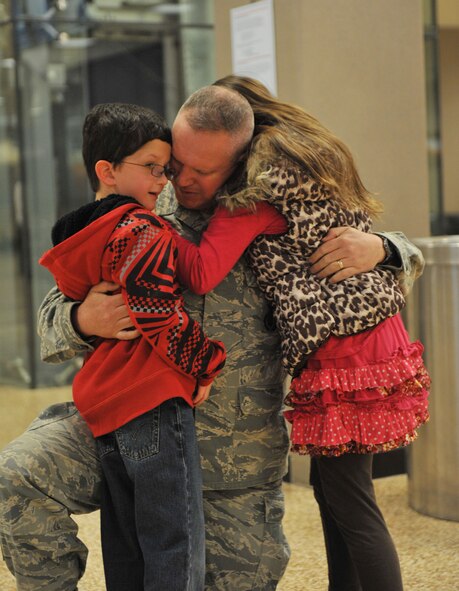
<point x="137" y="396"/>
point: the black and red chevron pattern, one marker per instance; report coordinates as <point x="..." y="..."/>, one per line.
<point x="141" y="256"/>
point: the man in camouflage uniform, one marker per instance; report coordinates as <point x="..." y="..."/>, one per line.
<point x="52" y="471"/>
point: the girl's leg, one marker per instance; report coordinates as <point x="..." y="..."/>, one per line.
<point x="342" y="575"/>
<point x="349" y="500"/>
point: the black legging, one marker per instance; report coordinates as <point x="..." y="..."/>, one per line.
<point x="360" y="552"/>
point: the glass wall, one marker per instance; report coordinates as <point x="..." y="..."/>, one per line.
<point x="58" y="59"/>
<point x="15" y="345"/>
<point x="434" y="144"/>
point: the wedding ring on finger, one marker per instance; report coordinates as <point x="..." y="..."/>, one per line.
<point x="340" y="264"/>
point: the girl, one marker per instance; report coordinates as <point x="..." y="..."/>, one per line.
<point x="359" y="385"/>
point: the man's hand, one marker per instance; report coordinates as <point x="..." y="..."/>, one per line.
<point x="202" y="394"/>
<point x="103" y="313"/>
<point x="345" y="252"/>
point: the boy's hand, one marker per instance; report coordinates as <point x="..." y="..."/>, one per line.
<point x="202" y="394"/>
<point x="103" y="313"/>
<point x="345" y="252"/>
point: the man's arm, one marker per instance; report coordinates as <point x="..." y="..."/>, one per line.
<point x="59" y="340"/>
<point x="65" y="326"/>
<point x="347" y="251"/>
<point x="410" y="264"/>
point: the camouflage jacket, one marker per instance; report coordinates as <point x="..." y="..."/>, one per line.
<point x="410" y="262"/>
<point x="242" y="436"/>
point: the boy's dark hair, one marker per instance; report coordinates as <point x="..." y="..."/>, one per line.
<point x="112" y="131"/>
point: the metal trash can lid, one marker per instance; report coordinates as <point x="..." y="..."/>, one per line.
<point x="439" y="249"/>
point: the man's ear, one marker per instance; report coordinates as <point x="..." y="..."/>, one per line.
<point x="104" y="172"/>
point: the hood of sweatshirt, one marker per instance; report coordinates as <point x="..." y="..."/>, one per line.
<point x="79" y="239"/>
<point x="119" y="380"/>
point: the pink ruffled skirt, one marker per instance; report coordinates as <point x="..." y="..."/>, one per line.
<point x="364" y="393"/>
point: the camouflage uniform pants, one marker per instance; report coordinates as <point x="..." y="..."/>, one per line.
<point x="246" y="549"/>
<point x="52" y="471"/>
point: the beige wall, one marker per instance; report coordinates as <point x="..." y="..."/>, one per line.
<point x="448" y="13"/>
<point x="359" y="68"/>
<point x="449" y="116"/>
<point x="20" y="406"/>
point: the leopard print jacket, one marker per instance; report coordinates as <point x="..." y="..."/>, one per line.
<point x="307" y="309"/>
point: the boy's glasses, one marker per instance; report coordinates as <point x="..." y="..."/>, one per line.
<point x="156" y="170"/>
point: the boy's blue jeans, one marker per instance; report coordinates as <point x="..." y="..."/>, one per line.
<point x="151" y="511"/>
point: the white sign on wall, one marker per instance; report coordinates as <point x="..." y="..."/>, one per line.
<point x="253" y="42"/>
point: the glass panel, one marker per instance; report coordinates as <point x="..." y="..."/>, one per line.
<point x="14" y="313"/>
<point x="71" y="55"/>
<point x="429" y="12"/>
<point x="197" y="37"/>
<point x="59" y="83"/>
<point x="433" y="118"/>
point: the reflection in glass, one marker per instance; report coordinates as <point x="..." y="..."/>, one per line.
<point x="58" y="59"/>
<point x="15" y="363"/>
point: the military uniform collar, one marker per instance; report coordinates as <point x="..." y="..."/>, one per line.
<point x="194" y="219"/>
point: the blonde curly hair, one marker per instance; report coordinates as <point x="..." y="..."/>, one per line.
<point x="286" y="134"/>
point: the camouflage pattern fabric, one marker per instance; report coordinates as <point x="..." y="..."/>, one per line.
<point x="253" y="553"/>
<point x="411" y="258"/>
<point x="241" y="432"/>
<point x="243" y="443"/>
<point x="50" y="471"/>
<point x="59" y="340"/>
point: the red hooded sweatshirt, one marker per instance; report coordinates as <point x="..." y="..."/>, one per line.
<point x="117" y="240"/>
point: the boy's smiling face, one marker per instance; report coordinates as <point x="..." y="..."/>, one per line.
<point x="133" y="175"/>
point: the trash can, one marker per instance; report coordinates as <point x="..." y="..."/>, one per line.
<point x="433" y="316"/>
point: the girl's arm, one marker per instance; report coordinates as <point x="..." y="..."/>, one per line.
<point x="202" y="267"/>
